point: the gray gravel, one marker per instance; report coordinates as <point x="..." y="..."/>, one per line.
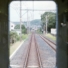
<point x="54" y="41"/>
<point x="18" y="59"/>
<point x="48" y="56"/>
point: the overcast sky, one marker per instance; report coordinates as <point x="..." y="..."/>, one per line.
<point x="14" y="9"/>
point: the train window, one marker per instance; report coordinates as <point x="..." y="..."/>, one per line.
<point x="33" y="39"/>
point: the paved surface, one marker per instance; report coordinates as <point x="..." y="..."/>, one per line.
<point x="18" y="59"/>
<point x="48" y="56"/>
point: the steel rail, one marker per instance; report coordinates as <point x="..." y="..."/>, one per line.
<point x="38" y="54"/>
<point x="49" y="40"/>
<point x="49" y="43"/>
<point x="28" y="53"/>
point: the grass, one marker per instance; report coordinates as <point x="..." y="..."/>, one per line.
<point x="39" y="32"/>
<point x="51" y="36"/>
<point x="14" y="46"/>
<point x="24" y="36"/>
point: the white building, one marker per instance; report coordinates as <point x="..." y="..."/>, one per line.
<point x="53" y="31"/>
<point x="11" y="26"/>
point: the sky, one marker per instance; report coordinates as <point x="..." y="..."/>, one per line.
<point x="39" y="8"/>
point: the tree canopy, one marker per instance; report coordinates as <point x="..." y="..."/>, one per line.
<point x="23" y="29"/>
<point x="13" y="36"/>
<point x="17" y="26"/>
<point x="51" y="17"/>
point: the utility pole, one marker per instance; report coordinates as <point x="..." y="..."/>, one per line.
<point x="20" y="20"/>
<point x="27" y="22"/>
<point x="46" y="24"/>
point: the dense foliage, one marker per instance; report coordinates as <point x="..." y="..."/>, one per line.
<point x="13" y="36"/>
<point x="23" y="29"/>
<point x="51" y="17"/>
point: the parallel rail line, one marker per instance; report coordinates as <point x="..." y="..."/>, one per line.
<point x="50" y="43"/>
<point x="49" y="40"/>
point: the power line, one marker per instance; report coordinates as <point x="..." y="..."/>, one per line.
<point x="36" y="10"/>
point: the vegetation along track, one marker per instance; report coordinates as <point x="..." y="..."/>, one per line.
<point x="32" y="58"/>
<point x="50" y="43"/>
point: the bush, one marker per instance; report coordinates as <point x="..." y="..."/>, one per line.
<point x="13" y="37"/>
<point x="24" y="36"/>
<point x="24" y="30"/>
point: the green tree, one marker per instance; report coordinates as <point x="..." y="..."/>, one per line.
<point x="51" y="20"/>
<point x="17" y="26"/>
<point x="13" y="36"/>
<point x="24" y="30"/>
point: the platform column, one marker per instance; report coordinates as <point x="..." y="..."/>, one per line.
<point x="61" y="55"/>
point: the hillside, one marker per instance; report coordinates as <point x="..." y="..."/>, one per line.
<point x="36" y="22"/>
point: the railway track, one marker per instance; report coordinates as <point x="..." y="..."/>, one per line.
<point x="32" y="58"/>
<point x="50" y="43"/>
<point x="33" y="55"/>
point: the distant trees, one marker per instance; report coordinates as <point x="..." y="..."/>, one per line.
<point x="51" y="17"/>
<point x="23" y="29"/>
<point x="17" y="26"/>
